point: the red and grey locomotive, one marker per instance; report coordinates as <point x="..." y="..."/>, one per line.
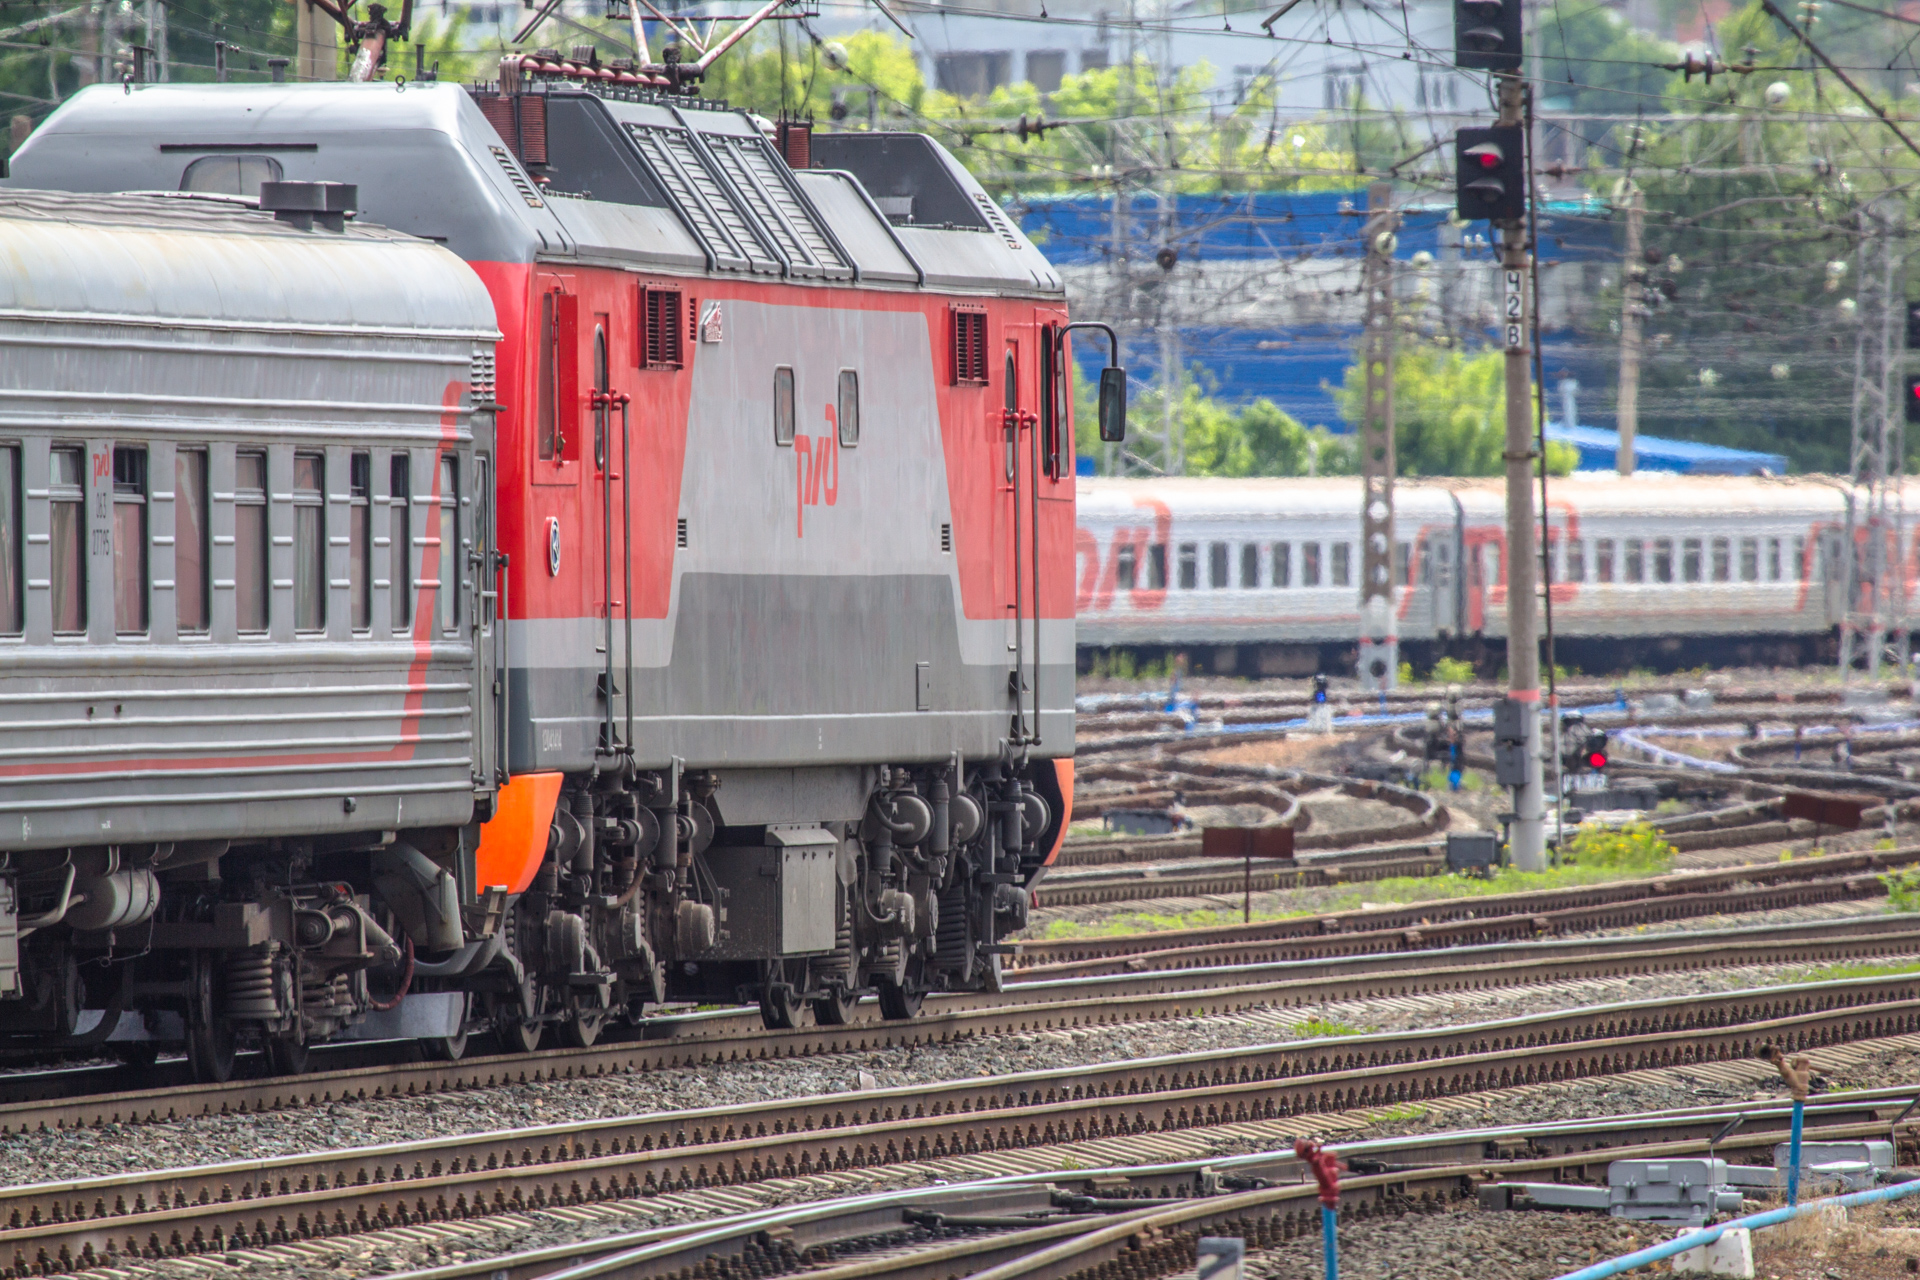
<point x="710" y="638"/>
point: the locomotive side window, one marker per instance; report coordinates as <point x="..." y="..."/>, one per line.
<point x="448" y="607"/>
<point x="783" y="405"/>
<point x="69" y="538"/>
<point x="1250" y="565"/>
<point x="549" y="418"/>
<point x="190" y="539"/>
<point x="130" y="541"/>
<point x="230" y="175"/>
<point x="1343" y="564"/>
<point x="1636" y="567"/>
<point x="1309" y="564"/>
<point x="309" y="542"/>
<point x="1217" y="565"/>
<point x="400" y="542"/>
<point x="849" y="411"/>
<point x="1749" y="559"/>
<point x="1189" y="565"/>
<point x="251" y="556"/>
<point x="360" y="538"/>
<point x="12" y="606"/>
<point x="1282" y="564"/>
<point x="602" y="382"/>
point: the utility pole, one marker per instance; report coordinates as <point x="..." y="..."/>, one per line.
<point x="319" y="57"/>
<point x="1379" y="632"/>
<point x="1876" y="604"/>
<point x="1527" y="837"/>
<point x="1633" y="307"/>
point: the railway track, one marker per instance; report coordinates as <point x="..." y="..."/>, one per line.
<point x="815" y="1236"/>
<point x="85" y="1222"/>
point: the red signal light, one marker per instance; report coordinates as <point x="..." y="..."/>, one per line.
<point x="1597" y="760"/>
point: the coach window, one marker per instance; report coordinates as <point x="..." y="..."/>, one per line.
<point x="1309" y="564"/>
<point x="1217" y="565"/>
<point x="1124" y="568"/>
<point x="1689" y="560"/>
<point x="1343" y="564"/>
<point x="67" y="492"/>
<point x="250" y="546"/>
<point x="309" y="542"/>
<point x="1403" y="563"/>
<point x="1749" y="559"/>
<point x="191" y="562"/>
<point x="1636" y="561"/>
<point x="360" y="538"/>
<point x="1250" y="565"/>
<point x="1283" y="564"/>
<point x="1722" y="560"/>
<point x="13" y="613"/>
<point x="849" y="420"/>
<point x="1603" y="559"/>
<point x="448" y="608"/>
<point x="1576" y="559"/>
<point x="1663" y="559"/>
<point x="1773" y="559"/>
<point x="130" y="541"/>
<point x="400" y="541"/>
<point x="1799" y="571"/>
<point x="1189" y="565"/>
<point x="783" y="405"/>
<point x="1157" y="567"/>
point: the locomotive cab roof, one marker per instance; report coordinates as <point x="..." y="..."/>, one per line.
<point x="560" y="173"/>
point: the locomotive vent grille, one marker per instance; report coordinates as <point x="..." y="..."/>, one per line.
<point x="946" y="538"/>
<point x="680" y="532"/>
<point x="660" y="334"/>
<point x="481" y="378"/>
<point x="969" y="346"/>
<point x="518" y="178"/>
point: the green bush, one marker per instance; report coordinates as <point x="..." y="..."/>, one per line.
<point x="1452" y="671"/>
<point x="1903" y="889"/>
<point x="1633" y="846"/>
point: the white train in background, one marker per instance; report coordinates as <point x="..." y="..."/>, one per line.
<point x="1261" y="577"/>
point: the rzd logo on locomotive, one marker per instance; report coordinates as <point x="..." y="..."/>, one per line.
<point x="818" y="477"/>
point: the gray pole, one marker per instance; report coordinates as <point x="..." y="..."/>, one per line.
<point x="1632" y="307"/>
<point x="1527" y="838"/>
<point x="1379" y="646"/>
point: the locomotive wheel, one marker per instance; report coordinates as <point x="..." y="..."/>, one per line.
<point x="780" y="1006"/>
<point x="445" y="1048"/>
<point x="138" y="1054"/>
<point x="835" y="1009"/>
<point x="899" y="1001"/>
<point x="589" y="1017"/>
<point x="517" y="1033"/>
<point x="287" y="1056"/>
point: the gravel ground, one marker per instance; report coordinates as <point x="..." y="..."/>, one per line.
<point x="44" y="1156"/>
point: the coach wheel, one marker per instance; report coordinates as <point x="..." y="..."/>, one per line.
<point x="835" y="1009"/>
<point x="899" y="1001"/>
<point x="210" y="1047"/>
<point x="780" y="1006"/>
<point x="287" y="1056"/>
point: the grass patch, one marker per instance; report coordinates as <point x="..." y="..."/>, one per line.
<point x="1903" y="889"/>
<point x="1321" y="1028"/>
<point x="1633" y="847"/>
<point x="1851" y="969"/>
<point x="1399" y="1113"/>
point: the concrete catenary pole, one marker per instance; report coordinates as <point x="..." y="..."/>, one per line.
<point x="1633" y="306"/>
<point x="1527" y="837"/>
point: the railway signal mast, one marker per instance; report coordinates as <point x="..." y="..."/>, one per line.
<point x="1494" y="183"/>
<point x="1379" y="630"/>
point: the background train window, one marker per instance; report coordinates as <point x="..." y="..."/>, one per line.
<point x="1773" y="559"/>
<point x="400" y="543"/>
<point x="1123" y="566"/>
<point x="1250" y="565"/>
<point x="251" y="557"/>
<point x="12" y="604"/>
<point x="130" y="541"/>
<point x="1283" y="564"/>
<point x="1663" y="560"/>
<point x="1217" y="565"/>
<point x="1343" y="564"/>
<point x="1636" y="558"/>
<point x="1689" y="560"/>
<point x="1603" y="560"/>
<point x="190" y="540"/>
<point x="1576" y="560"/>
<point x="783" y="405"/>
<point x="1403" y="563"/>
<point x="1800" y="566"/>
<point x="69" y="537"/>
<point x="450" y="550"/>
<point x="1309" y="564"/>
<point x="1189" y="565"/>
<point x="309" y="542"/>
<point x="360" y="538"/>
<point x="230" y="175"/>
<point x="849" y="419"/>
<point x="1722" y="560"/>
<point x="1749" y="559"/>
<point x="1157" y="567"/>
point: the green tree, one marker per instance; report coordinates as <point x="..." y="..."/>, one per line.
<point x="1449" y="411"/>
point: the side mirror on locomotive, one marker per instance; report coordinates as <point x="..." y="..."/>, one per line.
<point x="1113" y="404"/>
